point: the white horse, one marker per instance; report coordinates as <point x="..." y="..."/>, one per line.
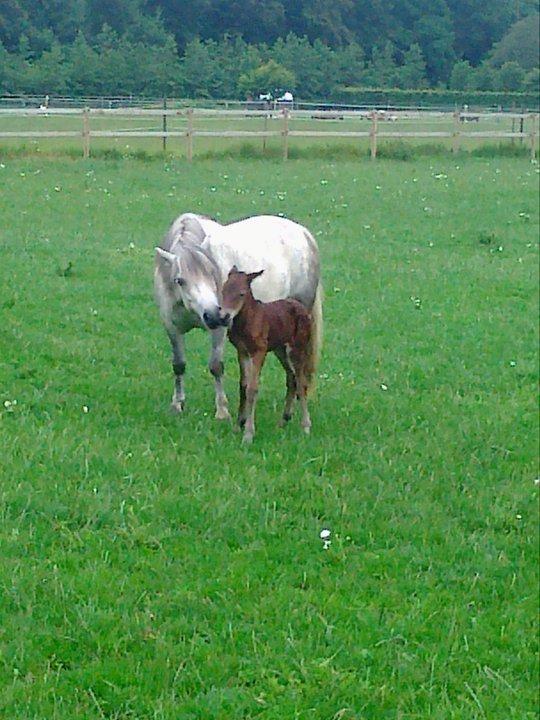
<point x="193" y="262"/>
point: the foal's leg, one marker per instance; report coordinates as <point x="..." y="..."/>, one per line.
<point x="257" y="362"/>
<point x="244" y="363"/>
<point x="179" y="368"/>
<point x="216" y="368"/>
<point x="297" y="361"/>
<point x="291" y="386"/>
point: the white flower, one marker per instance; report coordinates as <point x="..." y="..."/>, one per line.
<point x="85" y="408"/>
<point x="325" y="537"/>
<point x="384" y="387"/>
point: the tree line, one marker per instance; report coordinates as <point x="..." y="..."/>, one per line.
<point x="214" y="48"/>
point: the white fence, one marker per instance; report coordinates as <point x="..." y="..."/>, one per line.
<point x="380" y="126"/>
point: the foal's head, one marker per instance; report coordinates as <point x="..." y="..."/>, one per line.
<point x="236" y="288"/>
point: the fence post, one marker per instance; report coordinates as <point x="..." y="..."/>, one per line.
<point x="533" y="138"/>
<point x="455" y="135"/>
<point x="189" y="135"/>
<point x="285" y="133"/>
<point x="164" y="125"/>
<point x="373" y="135"/>
<point x="86" y="134"/>
<point x="265" y="130"/>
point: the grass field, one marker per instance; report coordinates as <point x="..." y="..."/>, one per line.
<point x="153" y="568"/>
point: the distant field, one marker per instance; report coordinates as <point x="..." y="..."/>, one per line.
<point x="176" y="146"/>
<point x="152" y="568"/>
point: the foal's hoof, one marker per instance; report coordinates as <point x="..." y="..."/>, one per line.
<point x="306" y="429"/>
<point x="247" y="439"/>
<point x="222" y="414"/>
<point x="177" y="406"/>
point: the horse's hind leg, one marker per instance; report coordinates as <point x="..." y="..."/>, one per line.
<point x="216" y="368"/>
<point x="291" y="386"/>
<point x="179" y="368"/>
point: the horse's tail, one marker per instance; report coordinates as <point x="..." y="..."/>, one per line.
<point x="315" y="338"/>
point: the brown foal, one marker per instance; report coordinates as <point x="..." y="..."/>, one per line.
<point x="255" y="329"/>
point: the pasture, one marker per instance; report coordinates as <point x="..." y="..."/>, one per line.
<point x="154" y="568"/>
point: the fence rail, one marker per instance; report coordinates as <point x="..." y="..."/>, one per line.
<point x="284" y="115"/>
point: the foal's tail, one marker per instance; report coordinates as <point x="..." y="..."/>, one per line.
<point x="315" y="339"/>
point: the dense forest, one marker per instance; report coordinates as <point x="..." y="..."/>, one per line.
<point x="234" y="48"/>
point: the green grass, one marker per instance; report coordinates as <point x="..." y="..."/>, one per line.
<point x="153" y="568"/>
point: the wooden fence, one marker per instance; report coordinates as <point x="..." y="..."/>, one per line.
<point x="379" y="122"/>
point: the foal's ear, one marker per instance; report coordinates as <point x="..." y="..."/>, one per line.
<point x="169" y="257"/>
<point x="234" y="269"/>
<point x="252" y="276"/>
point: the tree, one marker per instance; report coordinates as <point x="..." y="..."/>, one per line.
<point x="532" y="81"/>
<point x="435" y="35"/>
<point x="478" y="24"/>
<point x="48" y="73"/>
<point x="83" y="67"/>
<point x="14" y="22"/>
<point x="521" y="44"/>
<point x="328" y="20"/>
<point x="198" y="69"/>
<point x="381" y="72"/>
<point x="314" y="65"/>
<point x="267" y="78"/>
<point x="511" y="76"/>
<point x="462" y="75"/>
<point x="350" y="64"/>
<point x="412" y="73"/>
<point x="484" y="77"/>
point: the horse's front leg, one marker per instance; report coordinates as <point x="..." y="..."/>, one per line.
<point x="179" y="368"/>
<point x="216" y="368"/>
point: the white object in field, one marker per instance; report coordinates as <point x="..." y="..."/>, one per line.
<point x="325" y="537"/>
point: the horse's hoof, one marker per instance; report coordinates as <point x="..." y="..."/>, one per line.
<point x="223" y="414"/>
<point x="247" y="439"/>
<point x="307" y="429"/>
<point x="177" y="407"/>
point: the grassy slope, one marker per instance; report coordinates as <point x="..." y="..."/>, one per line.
<point x="153" y="568"/>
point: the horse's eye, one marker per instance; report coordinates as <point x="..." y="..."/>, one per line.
<point x="179" y="281"/>
<point x="242" y="294"/>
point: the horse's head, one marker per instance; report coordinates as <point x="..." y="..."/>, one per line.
<point x="195" y="282"/>
<point x="236" y="288"/>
